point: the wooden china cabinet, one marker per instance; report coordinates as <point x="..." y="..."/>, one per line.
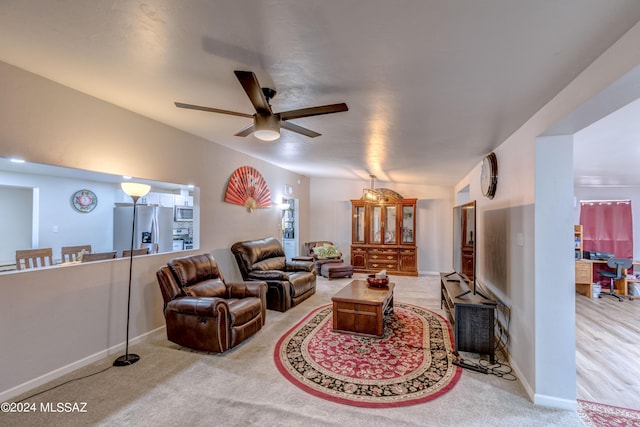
<point x="383" y="235"/>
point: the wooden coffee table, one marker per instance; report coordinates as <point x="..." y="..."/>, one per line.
<point x="360" y="309"/>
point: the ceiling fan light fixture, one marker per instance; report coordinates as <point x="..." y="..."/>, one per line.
<point x="267" y="127"/>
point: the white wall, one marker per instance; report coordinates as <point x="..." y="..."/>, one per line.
<point x="554" y="293"/>
<point x="77" y="313"/>
<point x="330" y="217"/>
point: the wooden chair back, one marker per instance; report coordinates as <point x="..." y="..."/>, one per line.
<point x="70" y="253"/>
<point x="126" y="253"/>
<point x="152" y="247"/>
<point x="98" y="256"/>
<point x="34" y="258"/>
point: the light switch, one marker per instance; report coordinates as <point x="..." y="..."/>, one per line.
<point x="520" y="239"/>
<point x="55" y="229"/>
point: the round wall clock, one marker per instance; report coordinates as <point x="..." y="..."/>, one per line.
<point x="84" y="201"/>
<point x="489" y="175"/>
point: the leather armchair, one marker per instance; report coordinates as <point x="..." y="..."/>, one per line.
<point x="205" y="313"/>
<point x="289" y="282"/>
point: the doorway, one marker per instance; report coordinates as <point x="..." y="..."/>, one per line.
<point x="16" y="222"/>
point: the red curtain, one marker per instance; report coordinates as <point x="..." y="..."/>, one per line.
<point x="607" y="226"/>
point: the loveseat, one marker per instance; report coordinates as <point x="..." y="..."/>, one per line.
<point x="289" y="282"/>
<point x="205" y="313"/>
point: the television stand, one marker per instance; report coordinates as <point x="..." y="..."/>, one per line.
<point x="468" y="291"/>
<point x="472" y="320"/>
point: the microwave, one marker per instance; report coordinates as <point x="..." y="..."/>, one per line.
<point x="183" y="213"/>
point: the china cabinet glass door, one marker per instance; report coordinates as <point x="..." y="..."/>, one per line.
<point x="408" y="224"/>
<point x="376" y="225"/>
<point x="358" y="224"/>
<point x="390" y="225"/>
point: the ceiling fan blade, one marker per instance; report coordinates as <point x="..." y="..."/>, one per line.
<point x="313" y="111"/>
<point x="211" y="110"/>
<point x="299" y="129"/>
<point x="246" y="131"/>
<point x="251" y="86"/>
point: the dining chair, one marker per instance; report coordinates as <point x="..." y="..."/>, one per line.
<point x="98" y="256"/>
<point x="70" y="253"/>
<point x="34" y="258"/>
<point x="153" y="247"/>
<point x="126" y="253"/>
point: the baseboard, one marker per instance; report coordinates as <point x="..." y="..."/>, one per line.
<point x="554" y="402"/>
<point x="518" y="373"/>
<point x="541" y="399"/>
<point x="428" y="273"/>
<point x="57" y="373"/>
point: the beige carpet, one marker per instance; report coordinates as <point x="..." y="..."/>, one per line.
<point x="171" y="385"/>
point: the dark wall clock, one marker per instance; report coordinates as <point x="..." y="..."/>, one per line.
<point x="84" y="201"/>
<point x="489" y="175"/>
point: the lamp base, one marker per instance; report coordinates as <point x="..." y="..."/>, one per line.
<point x="126" y="360"/>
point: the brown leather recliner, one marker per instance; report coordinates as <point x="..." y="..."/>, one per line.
<point x="205" y="313"/>
<point x="289" y="282"/>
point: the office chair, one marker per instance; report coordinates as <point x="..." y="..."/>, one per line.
<point x="619" y="264"/>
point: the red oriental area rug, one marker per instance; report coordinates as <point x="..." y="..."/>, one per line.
<point x="410" y="364"/>
<point x="599" y="415"/>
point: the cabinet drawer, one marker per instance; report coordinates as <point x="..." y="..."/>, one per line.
<point x="383" y="251"/>
<point x="383" y="257"/>
<point x="379" y="265"/>
<point x="584" y="272"/>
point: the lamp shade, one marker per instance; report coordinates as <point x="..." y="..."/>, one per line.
<point x="370" y="195"/>
<point x="135" y="189"/>
<point x="267" y="128"/>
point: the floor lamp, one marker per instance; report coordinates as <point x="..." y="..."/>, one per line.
<point x="135" y="191"/>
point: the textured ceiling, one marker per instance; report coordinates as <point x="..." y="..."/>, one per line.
<point x="432" y="86"/>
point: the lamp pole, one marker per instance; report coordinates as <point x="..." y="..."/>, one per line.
<point x="135" y="191"/>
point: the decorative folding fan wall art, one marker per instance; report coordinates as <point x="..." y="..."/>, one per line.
<point x="248" y="188"/>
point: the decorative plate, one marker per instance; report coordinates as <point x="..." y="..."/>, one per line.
<point x="248" y="188"/>
<point x="84" y="201"/>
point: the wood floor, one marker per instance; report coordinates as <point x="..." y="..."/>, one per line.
<point x="608" y="351"/>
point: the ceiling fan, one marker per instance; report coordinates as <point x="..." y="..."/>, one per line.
<point x="266" y="124"/>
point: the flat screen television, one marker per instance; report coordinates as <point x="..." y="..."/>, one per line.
<point x="464" y="246"/>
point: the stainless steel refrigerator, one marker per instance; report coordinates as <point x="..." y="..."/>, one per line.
<point x="154" y="224"/>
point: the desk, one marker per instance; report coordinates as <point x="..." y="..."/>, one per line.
<point x="584" y="278"/>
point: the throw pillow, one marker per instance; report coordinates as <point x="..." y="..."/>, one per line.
<point x="326" y="252"/>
